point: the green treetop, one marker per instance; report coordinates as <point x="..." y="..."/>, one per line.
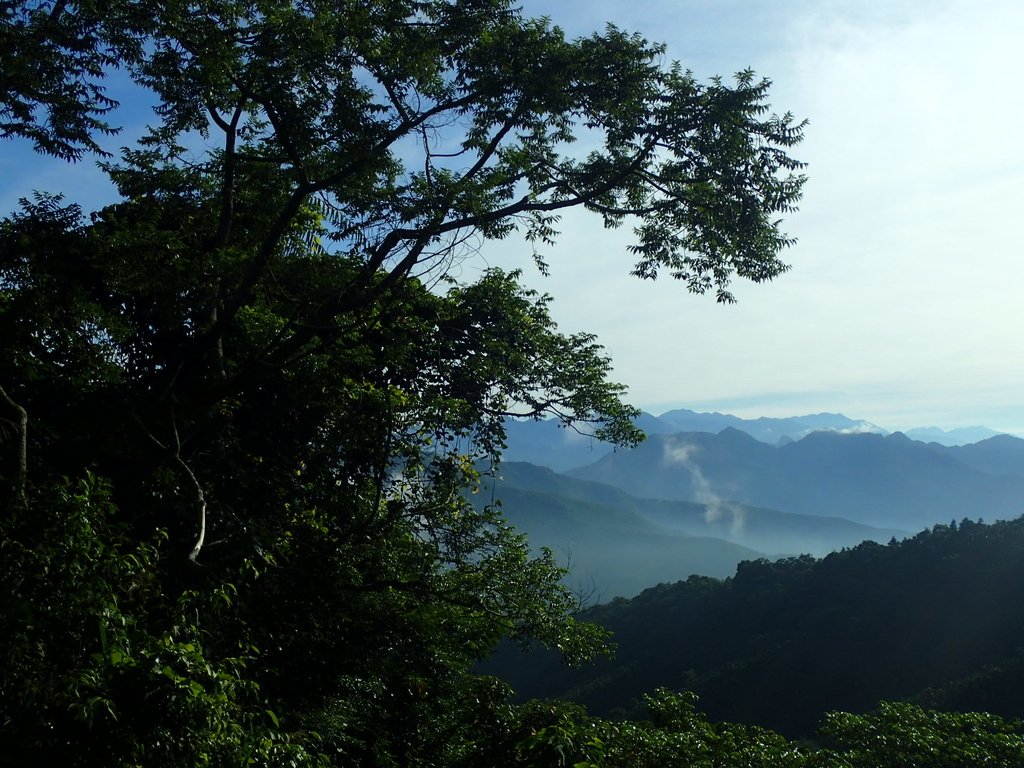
<point x="239" y="427"/>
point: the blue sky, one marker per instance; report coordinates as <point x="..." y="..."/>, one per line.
<point x="903" y="303"/>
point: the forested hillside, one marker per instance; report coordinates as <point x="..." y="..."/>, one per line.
<point x="245" y="383"/>
<point x="937" y="619"/>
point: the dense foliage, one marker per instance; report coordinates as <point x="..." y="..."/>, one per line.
<point x="675" y="733"/>
<point x="936" y="619"/>
<point x="241" y="407"/>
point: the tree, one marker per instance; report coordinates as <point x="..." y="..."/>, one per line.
<point x="899" y="733"/>
<point x="54" y="57"/>
<point x="259" y="387"/>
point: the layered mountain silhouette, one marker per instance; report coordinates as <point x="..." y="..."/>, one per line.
<point x="885" y="481"/>
<point x="765" y="429"/>
<point x="612" y="552"/>
<point x="550" y="444"/>
<point x="700" y="502"/>
<point x="1000" y="455"/>
<point x="959" y="436"/>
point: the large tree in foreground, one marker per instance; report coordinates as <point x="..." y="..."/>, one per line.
<point x="243" y="407"/>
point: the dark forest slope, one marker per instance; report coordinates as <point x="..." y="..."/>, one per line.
<point x="938" y="618"/>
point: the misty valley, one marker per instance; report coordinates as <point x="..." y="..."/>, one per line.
<point x="780" y="569"/>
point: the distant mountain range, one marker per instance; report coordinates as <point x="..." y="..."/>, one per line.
<point x="889" y="482"/>
<point x="549" y="444"/>
<point x="701" y="501"/>
<point x="767" y="430"/>
<point x="999" y="455"/>
<point x="961" y="436"/>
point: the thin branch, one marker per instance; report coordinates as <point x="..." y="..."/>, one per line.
<point x="227" y="190"/>
<point x="215" y="116"/>
<point x="495" y="142"/>
<point x="427" y="156"/>
<point x="21" y="479"/>
<point x="200" y="500"/>
<point x="396" y="101"/>
<point x="285" y="141"/>
<point x="526" y="204"/>
<point x="200" y="497"/>
<point x="392" y="136"/>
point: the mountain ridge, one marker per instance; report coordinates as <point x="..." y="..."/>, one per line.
<point x="547" y="442"/>
<point x="885" y="481"/>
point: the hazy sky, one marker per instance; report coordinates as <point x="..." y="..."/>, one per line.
<point x="903" y="303"/>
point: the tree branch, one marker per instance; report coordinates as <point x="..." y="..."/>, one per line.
<point x="494" y="143"/>
<point x="526" y="203"/>
<point x="21" y="479"/>
<point x="200" y="501"/>
<point x="200" y="497"/>
<point x="300" y="194"/>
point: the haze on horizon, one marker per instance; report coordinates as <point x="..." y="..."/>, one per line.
<point x="901" y="307"/>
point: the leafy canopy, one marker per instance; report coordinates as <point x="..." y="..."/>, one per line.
<point x="244" y="405"/>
